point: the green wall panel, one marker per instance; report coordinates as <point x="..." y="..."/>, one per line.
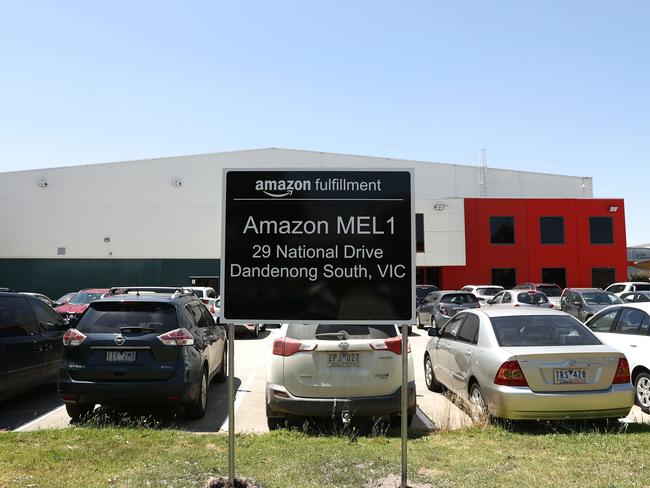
<point x="54" y="277"/>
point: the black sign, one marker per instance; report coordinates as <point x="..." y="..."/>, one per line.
<point x="318" y="246"/>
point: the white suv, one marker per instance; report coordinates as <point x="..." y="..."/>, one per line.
<point x="624" y="287"/>
<point x="334" y="370"/>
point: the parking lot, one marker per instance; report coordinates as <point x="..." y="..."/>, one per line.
<point x="42" y="408"/>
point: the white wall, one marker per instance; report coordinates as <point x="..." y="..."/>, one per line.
<point x="135" y="204"/>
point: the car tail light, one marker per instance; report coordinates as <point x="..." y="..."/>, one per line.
<point x="177" y="337"/>
<point x="510" y="374"/>
<point x="73" y="337"/>
<point x="285" y="346"/>
<point x="622" y="372"/>
<point x="394" y="344"/>
<point x="443" y="310"/>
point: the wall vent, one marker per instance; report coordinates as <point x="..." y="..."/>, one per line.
<point x="60" y="251"/>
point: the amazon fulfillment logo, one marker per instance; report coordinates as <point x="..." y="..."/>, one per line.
<point x="281" y="188"/>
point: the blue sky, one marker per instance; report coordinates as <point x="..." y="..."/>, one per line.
<point x="550" y="86"/>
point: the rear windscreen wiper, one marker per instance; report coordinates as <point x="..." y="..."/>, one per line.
<point x="137" y="329"/>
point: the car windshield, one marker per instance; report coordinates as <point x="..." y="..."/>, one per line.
<point x="550" y="290"/>
<point x="84" y="298"/>
<point x="459" y="298"/>
<point x="600" y="298"/>
<point x="112" y="317"/>
<point x="532" y="298"/>
<point x="490" y="292"/>
<point x="541" y="330"/>
<point x="423" y="291"/>
<point x="338" y="332"/>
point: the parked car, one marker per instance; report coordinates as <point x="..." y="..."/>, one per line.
<point x="329" y="370"/>
<point x="209" y="298"/>
<point x="627" y="286"/>
<point x="30" y="343"/>
<point x="583" y="303"/>
<point x="483" y="292"/>
<point x="439" y="306"/>
<point x="43" y="298"/>
<point x="627" y="328"/>
<point x="528" y="364"/>
<point x="63" y="299"/>
<point x="635" y="296"/>
<point x="552" y="291"/>
<point x="80" y="301"/>
<point x="519" y="298"/>
<point x="421" y="291"/>
<point x="150" y="348"/>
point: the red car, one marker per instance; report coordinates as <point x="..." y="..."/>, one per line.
<point x="79" y="303"/>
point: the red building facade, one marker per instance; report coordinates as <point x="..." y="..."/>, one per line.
<point x="572" y="242"/>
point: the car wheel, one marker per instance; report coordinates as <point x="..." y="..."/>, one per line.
<point x="642" y="390"/>
<point x="197" y="409"/>
<point x="430" y="376"/>
<point x="79" y="411"/>
<point x="477" y="401"/>
<point x="418" y="322"/>
<point x="256" y="331"/>
<point x="221" y="375"/>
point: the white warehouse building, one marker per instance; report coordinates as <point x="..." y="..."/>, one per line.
<point x="158" y="221"/>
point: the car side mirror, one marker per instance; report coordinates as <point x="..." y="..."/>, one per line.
<point x="433" y="332"/>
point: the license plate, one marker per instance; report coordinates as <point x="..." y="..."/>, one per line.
<point x="120" y="356"/>
<point x="570" y="376"/>
<point x="343" y="359"/>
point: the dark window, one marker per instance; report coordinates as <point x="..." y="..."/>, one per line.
<point x="469" y="331"/>
<point x="429" y="275"/>
<point x="616" y="288"/>
<point x="459" y="298"/>
<point x="111" y="317"/>
<point x="630" y="321"/>
<point x="601" y="230"/>
<point x="642" y="287"/>
<point x="553" y="275"/>
<point x="541" y="330"/>
<point x="502" y="230"/>
<point x="551" y="290"/>
<point x="47" y="318"/>
<point x="337" y="331"/>
<point x="551" y="230"/>
<point x="419" y="232"/>
<point x="601" y="277"/>
<point x="603" y="323"/>
<point x="600" y="298"/>
<point x="532" y="298"/>
<point x="451" y="329"/>
<point x="16" y="317"/>
<point x="205" y="319"/>
<point x="504" y="277"/>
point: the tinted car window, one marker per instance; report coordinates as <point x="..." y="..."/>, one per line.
<point x="459" y="298"/>
<point x="47" y="317"/>
<point x="616" y="288"/>
<point x="206" y="318"/>
<point x="600" y="298"/>
<point x="490" y="292"/>
<point x="642" y="287"/>
<point x="630" y="321"/>
<point x="532" y="298"/>
<point x="603" y="323"/>
<point x="628" y="297"/>
<point x="469" y="330"/>
<point x="16" y="317"/>
<point x="541" y="330"/>
<point x="340" y="331"/>
<point x="450" y="331"/>
<point x="109" y="317"/>
<point x="550" y="291"/>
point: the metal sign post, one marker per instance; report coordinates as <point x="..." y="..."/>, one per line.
<point x="231" y="404"/>
<point x="405" y="406"/>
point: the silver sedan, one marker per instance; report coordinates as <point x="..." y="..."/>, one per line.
<point x="528" y="364"/>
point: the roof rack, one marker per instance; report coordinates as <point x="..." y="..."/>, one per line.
<point x="175" y="291"/>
